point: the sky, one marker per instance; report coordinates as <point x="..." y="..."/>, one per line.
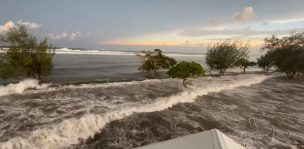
<point x="173" y="25"/>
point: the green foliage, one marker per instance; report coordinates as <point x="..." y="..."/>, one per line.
<point x="6" y="70"/>
<point x="265" y="61"/>
<point x="25" y="57"/>
<point x="287" y="54"/>
<point x="184" y="70"/>
<point x="224" y="55"/>
<point x="152" y="61"/>
<point x="244" y="64"/>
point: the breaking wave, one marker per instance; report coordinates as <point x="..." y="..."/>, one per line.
<point x="71" y="131"/>
<point x="106" y="52"/>
<point x="93" y="52"/>
<point x="20" y="87"/>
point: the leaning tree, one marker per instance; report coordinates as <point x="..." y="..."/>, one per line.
<point x="25" y="55"/>
<point x="184" y="70"/>
<point x="153" y="61"/>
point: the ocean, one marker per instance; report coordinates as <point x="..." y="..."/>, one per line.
<point x="103" y="66"/>
<point x="100" y="100"/>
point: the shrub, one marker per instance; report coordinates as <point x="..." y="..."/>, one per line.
<point x="25" y="55"/>
<point x="184" y="70"/>
<point x="152" y="61"/>
<point x="224" y="55"/>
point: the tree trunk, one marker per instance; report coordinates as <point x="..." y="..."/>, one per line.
<point x="222" y="71"/>
<point x="266" y="69"/>
<point x="244" y="69"/>
<point x="290" y="75"/>
<point x="33" y="75"/>
<point x="185" y="83"/>
<point x="155" y="73"/>
<point x="151" y="74"/>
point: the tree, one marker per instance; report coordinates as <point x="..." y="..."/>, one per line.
<point x="265" y="62"/>
<point x="25" y="56"/>
<point x="286" y="53"/>
<point x="152" y="61"/>
<point x="224" y="55"/>
<point x="184" y="70"/>
<point x="6" y="70"/>
<point x="244" y="64"/>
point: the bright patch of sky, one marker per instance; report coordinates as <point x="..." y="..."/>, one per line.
<point x="178" y="25"/>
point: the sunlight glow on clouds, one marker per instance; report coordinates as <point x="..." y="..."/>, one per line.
<point x="173" y="39"/>
<point x="214" y="31"/>
<point x="285" y="21"/>
<point x="211" y="32"/>
<point x="189" y="43"/>
<point x="6" y="26"/>
<point x="190" y="23"/>
<point x="131" y="42"/>
<point x="10" y="24"/>
<point x="236" y="32"/>
<point x="245" y="15"/>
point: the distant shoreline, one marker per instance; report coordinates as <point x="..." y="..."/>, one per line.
<point x="3" y="48"/>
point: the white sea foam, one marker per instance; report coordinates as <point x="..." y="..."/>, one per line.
<point x="71" y="130"/>
<point x="91" y="52"/>
<point x="106" y="52"/>
<point x="22" y="86"/>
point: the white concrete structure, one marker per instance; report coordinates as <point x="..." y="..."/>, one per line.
<point x="211" y="139"/>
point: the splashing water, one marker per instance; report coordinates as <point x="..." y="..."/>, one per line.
<point x="71" y="131"/>
<point x="22" y="86"/>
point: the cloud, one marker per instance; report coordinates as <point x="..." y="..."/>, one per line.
<point x="284" y="21"/>
<point x="75" y="35"/>
<point x="29" y="24"/>
<point x="8" y="25"/>
<point x="234" y="32"/>
<point x="245" y="15"/>
<point x="204" y="32"/>
<point x="136" y="42"/>
<point x="65" y="35"/>
<point x="58" y="36"/>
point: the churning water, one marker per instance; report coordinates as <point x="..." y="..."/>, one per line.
<point x="57" y="117"/>
<point x="257" y="110"/>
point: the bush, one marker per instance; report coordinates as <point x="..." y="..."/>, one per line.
<point x="25" y="55"/>
<point x="265" y="62"/>
<point x="224" y="55"/>
<point x="152" y="61"/>
<point x="244" y="64"/>
<point x="184" y="70"/>
<point x="286" y="54"/>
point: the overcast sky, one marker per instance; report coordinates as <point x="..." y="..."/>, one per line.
<point x="182" y="25"/>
